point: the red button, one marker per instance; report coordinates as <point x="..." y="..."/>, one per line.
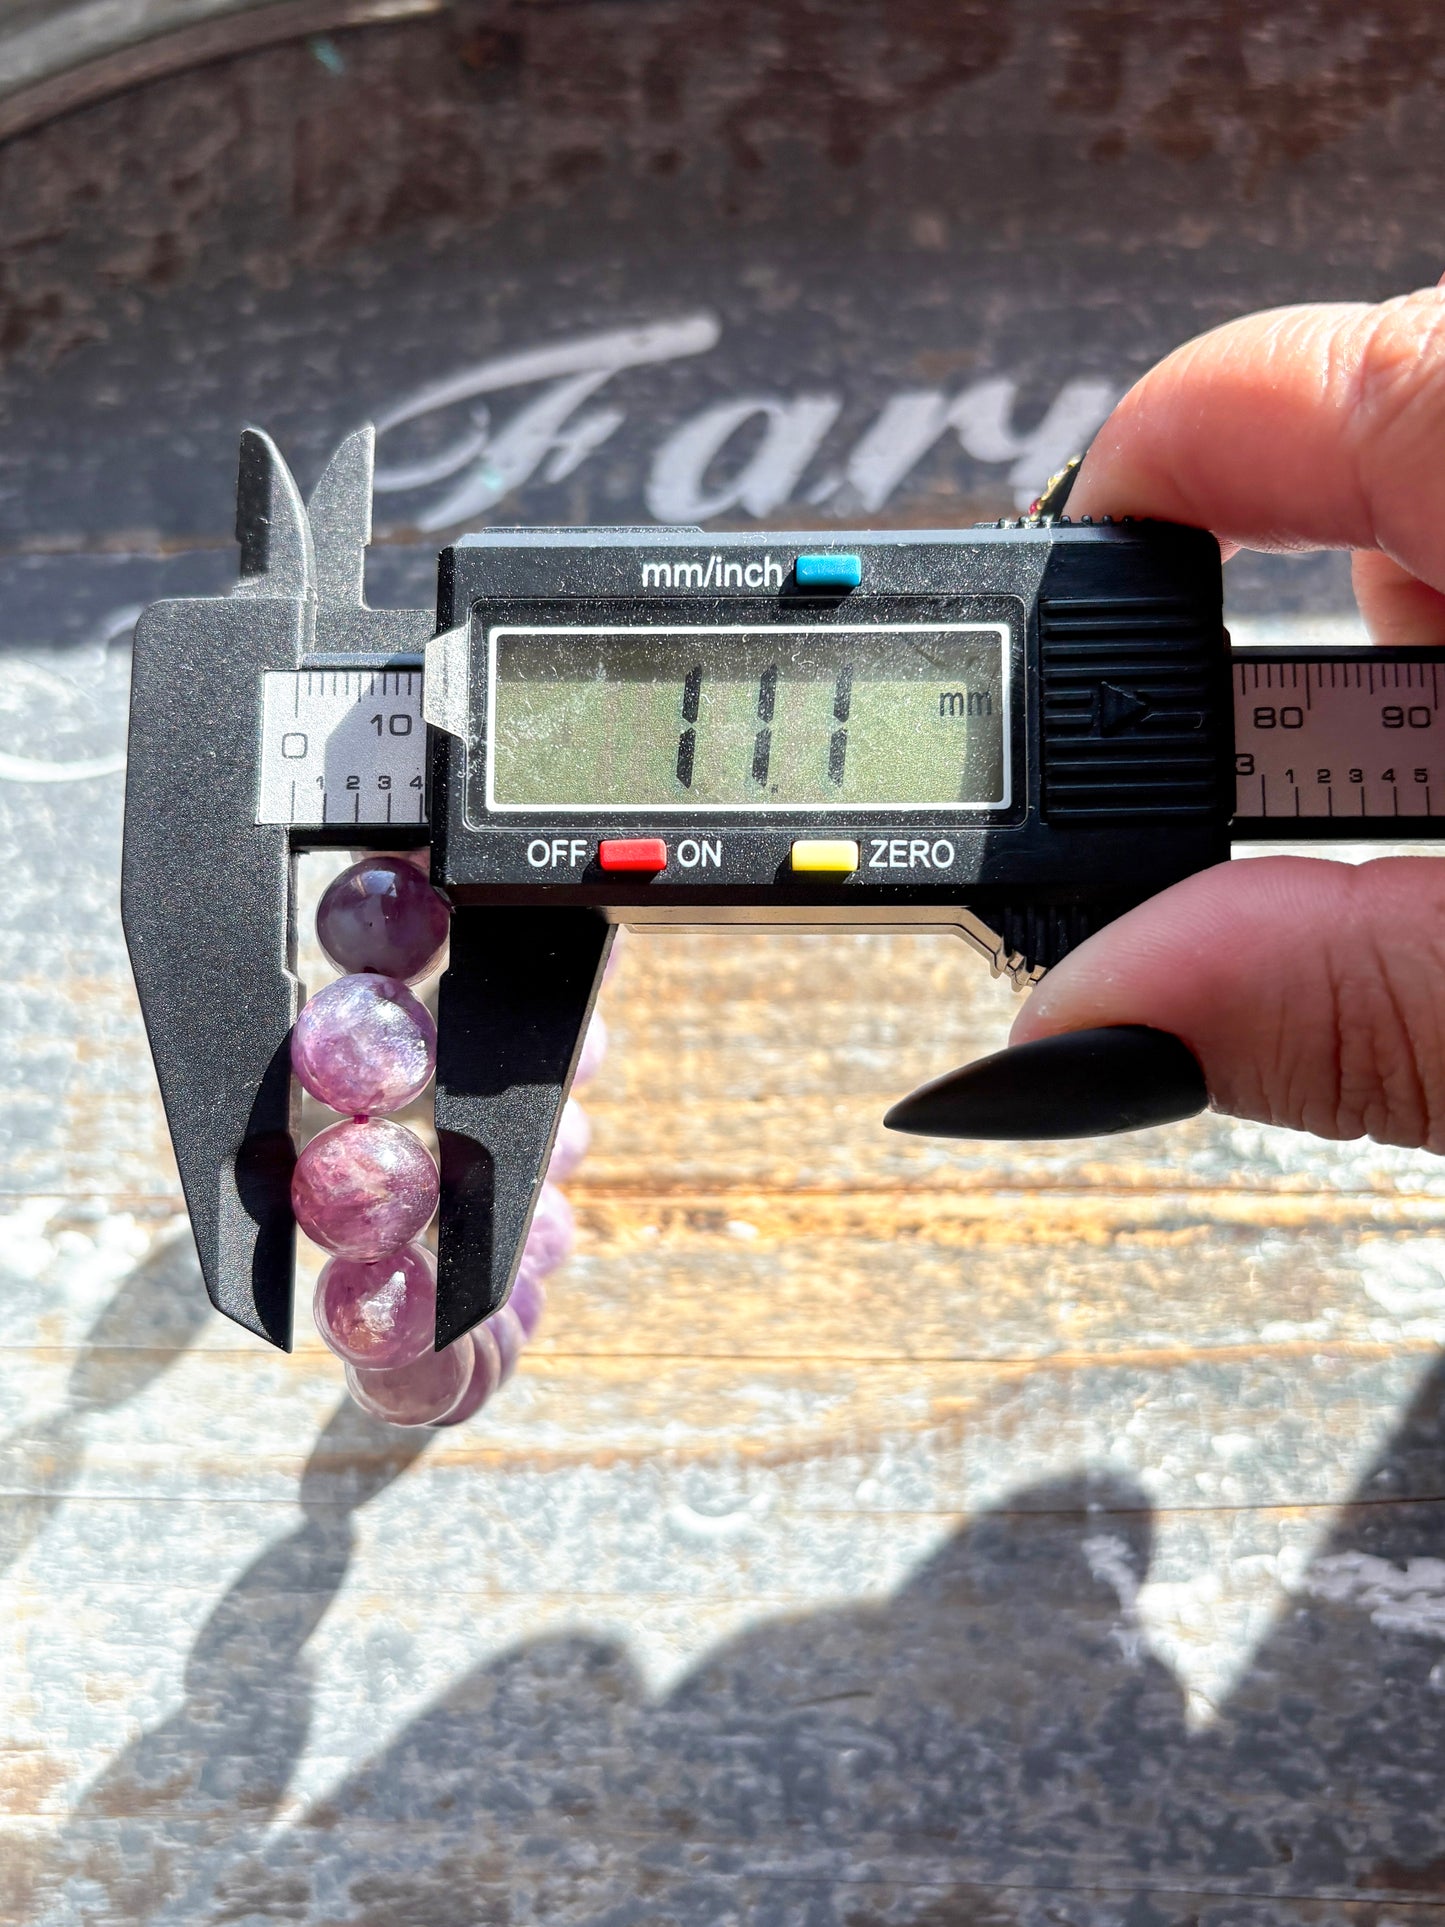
<point x="648" y="853"/>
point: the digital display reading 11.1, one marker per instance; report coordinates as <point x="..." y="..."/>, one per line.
<point x="902" y="715"/>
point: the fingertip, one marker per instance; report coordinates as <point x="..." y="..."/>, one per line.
<point x="1307" y="989"/>
<point x="1305" y="427"/>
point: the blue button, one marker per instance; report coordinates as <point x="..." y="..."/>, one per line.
<point x="828" y="571"/>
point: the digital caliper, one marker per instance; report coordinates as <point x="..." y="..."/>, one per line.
<point x="1015" y="731"/>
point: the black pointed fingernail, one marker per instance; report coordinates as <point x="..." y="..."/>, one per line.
<point x="1085" y="1083"/>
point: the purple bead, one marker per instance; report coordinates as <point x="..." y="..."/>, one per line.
<point x="419" y="859"/>
<point x="383" y="915"/>
<point x="417" y="1394"/>
<point x="553" y="1232"/>
<point x="381" y="1314"/>
<point x="570" y="1146"/>
<point x="364" y="1189"/>
<point x="528" y="1300"/>
<point x="486" y="1376"/>
<point x="364" y="1044"/>
<point x="511" y="1338"/>
<point x="594" y="1049"/>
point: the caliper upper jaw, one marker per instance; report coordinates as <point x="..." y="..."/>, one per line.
<point x="339" y="516"/>
<point x="205" y="894"/>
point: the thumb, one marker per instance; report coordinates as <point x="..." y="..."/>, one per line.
<point x="1312" y="993"/>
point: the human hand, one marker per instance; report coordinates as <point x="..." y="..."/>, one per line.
<point x="1305" y="992"/>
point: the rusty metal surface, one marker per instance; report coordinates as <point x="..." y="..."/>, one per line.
<point x="882" y="1532"/>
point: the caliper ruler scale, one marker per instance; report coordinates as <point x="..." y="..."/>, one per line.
<point x="343" y="746"/>
<point x="1014" y="733"/>
<point x="1338" y="744"/>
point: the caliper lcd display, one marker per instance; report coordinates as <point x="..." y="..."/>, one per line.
<point x="885" y="715"/>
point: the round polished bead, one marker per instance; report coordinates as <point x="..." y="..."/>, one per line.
<point x="552" y="1234"/>
<point x="486" y="1375"/>
<point x="594" y="1049"/>
<point x="422" y="1393"/>
<point x="365" y="1188"/>
<point x="364" y="1044"/>
<point x="378" y="1314"/>
<point x="570" y="1146"/>
<point x="528" y="1300"/>
<point x="383" y="915"/>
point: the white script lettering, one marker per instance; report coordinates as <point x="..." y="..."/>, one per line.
<point x="751" y="454"/>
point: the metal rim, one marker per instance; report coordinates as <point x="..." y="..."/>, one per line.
<point x="59" y="57"/>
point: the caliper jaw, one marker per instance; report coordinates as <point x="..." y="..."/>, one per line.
<point x="514" y="1007"/>
<point x="205" y="889"/>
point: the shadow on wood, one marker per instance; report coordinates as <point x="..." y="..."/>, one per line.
<point x="996" y="1735"/>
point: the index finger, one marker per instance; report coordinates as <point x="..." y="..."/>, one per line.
<point x="1308" y="427"/>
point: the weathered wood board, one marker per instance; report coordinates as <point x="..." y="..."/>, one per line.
<point x="880" y="1531"/>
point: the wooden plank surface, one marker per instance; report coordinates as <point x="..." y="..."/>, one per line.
<point x="834" y="1536"/>
<point x="880" y="1531"/>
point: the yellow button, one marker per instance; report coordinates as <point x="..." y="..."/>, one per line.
<point x="838" y="855"/>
